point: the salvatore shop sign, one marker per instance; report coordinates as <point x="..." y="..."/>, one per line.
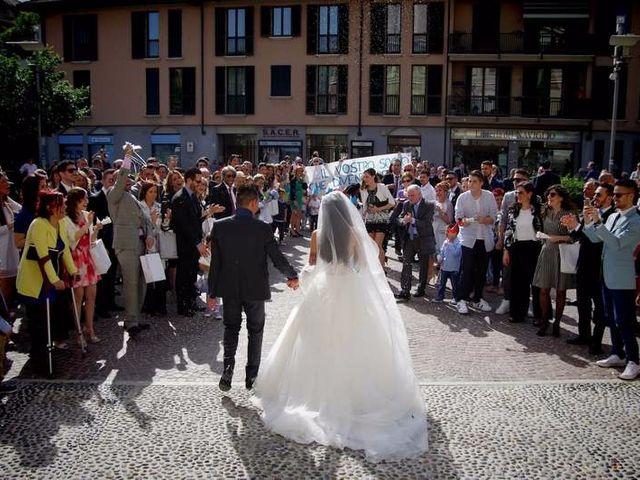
<point x="515" y="135"/>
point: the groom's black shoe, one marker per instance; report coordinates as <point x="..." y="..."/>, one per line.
<point x="419" y="293"/>
<point x="249" y="382"/>
<point x="225" y="379"/>
<point x="402" y="296"/>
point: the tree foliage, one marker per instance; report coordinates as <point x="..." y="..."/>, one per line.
<point x="60" y="103"/>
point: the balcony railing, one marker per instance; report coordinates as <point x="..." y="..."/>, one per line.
<point x="521" y="42"/>
<point x="426" y="104"/>
<point x="536" y="107"/>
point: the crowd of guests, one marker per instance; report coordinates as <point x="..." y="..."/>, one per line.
<point x="471" y="230"/>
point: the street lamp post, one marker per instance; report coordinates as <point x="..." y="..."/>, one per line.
<point x="620" y="42"/>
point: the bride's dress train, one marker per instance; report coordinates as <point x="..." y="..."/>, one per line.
<point x="340" y="373"/>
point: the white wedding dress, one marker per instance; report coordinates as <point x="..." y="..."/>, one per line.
<point x="340" y="373"/>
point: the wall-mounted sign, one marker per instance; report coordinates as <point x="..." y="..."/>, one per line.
<point x="103" y="139"/>
<point x="514" y="135"/>
<point x="280" y="132"/>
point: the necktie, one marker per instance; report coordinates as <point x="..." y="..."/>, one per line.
<point x="233" y="200"/>
<point x="397" y="185"/>
<point x="413" y="231"/>
<point x="615" y="220"/>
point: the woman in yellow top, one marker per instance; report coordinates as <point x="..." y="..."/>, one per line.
<point x="46" y="253"/>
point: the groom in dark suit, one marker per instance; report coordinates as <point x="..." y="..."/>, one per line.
<point x="239" y="274"/>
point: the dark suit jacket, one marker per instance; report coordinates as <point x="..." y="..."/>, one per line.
<point x="220" y="195"/>
<point x="424" y="224"/>
<point x="590" y="256"/>
<point x="240" y="247"/>
<point x="544" y="181"/>
<point x="456" y="193"/>
<point x="99" y="205"/>
<point x="186" y="222"/>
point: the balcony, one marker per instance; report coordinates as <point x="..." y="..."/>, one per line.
<point x="538" y="43"/>
<point x="527" y="107"/>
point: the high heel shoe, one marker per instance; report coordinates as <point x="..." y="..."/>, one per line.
<point x="542" y="331"/>
<point x="555" y="331"/>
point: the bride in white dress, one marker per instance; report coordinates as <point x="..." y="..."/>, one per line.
<point x="340" y="373"/>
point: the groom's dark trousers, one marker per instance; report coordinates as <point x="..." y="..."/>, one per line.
<point x="239" y="273"/>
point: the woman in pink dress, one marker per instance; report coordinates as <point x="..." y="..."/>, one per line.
<point x="81" y="232"/>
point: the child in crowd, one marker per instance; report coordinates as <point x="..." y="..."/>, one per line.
<point x="313" y="209"/>
<point x="449" y="259"/>
<point x="280" y="220"/>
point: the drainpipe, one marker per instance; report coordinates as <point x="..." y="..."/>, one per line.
<point x="360" y="71"/>
<point x="446" y="84"/>
<point x="202" y="130"/>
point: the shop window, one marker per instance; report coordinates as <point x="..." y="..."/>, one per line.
<point x="235" y="90"/>
<point x="182" y="91"/>
<point x="243" y="145"/>
<point x="412" y="145"/>
<point x="385" y="28"/>
<point x="426" y="89"/>
<point x="428" y="27"/>
<point x="175" y="34"/>
<point x="361" y="148"/>
<point x="327" y="29"/>
<point x="234" y="31"/>
<point x="274" y="151"/>
<point x="280" y="80"/>
<point x="326" y="89"/>
<point x="384" y="89"/>
<point x="164" y="145"/>
<point x="82" y="79"/>
<point x="280" y="21"/>
<point x="153" y="91"/>
<point x="145" y="34"/>
<point x="330" y="147"/>
<point x="80" y="38"/>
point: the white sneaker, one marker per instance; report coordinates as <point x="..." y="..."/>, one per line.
<point x="611" y="361"/>
<point x="631" y="372"/>
<point x="530" y="312"/>
<point x="503" y="307"/>
<point x="462" y="307"/>
<point x="482" y="305"/>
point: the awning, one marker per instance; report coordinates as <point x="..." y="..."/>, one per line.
<point x="554" y="9"/>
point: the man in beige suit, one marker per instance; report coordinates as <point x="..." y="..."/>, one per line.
<point x="131" y="239"/>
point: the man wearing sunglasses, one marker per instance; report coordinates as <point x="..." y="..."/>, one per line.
<point x="619" y="235"/>
<point x="68" y="176"/>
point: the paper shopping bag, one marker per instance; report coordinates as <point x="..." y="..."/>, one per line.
<point x="569" y="257"/>
<point x="167" y="245"/>
<point x="100" y="257"/>
<point x="152" y="267"/>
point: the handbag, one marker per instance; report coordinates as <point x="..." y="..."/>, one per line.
<point x="152" y="268"/>
<point x="569" y="257"/>
<point x="100" y="257"/>
<point x="167" y="245"/>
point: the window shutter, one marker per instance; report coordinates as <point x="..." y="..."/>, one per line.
<point x="189" y="91"/>
<point x="248" y="16"/>
<point x="265" y="21"/>
<point x="311" y="90"/>
<point x="138" y="32"/>
<point x="295" y="20"/>
<point x="435" y="27"/>
<point x="67" y="38"/>
<point x="221" y="31"/>
<point x="92" y="48"/>
<point x="342" y="88"/>
<point x="377" y="28"/>
<point x="249" y="75"/>
<point x="221" y="90"/>
<point x="343" y="29"/>
<point x="153" y="91"/>
<point x="175" y="33"/>
<point x="312" y="29"/>
<point x="434" y="89"/>
<point x="376" y="89"/>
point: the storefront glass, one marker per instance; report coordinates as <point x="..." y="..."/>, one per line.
<point x="330" y="147"/>
<point x="243" y="145"/>
<point x="273" y="151"/>
<point x="361" y="149"/>
<point x="412" y="145"/>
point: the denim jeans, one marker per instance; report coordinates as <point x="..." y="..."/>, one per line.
<point x="444" y="276"/>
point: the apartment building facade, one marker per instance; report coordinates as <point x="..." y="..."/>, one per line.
<point x="454" y="80"/>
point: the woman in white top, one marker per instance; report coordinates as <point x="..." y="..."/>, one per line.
<point x="81" y="233"/>
<point x="9" y="257"/>
<point x="522" y="248"/>
<point x="377" y="203"/>
<point x="442" y="217"/>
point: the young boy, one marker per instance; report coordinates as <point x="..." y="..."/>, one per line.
<point x="313" y="209"/>
<point x="449" y="258"/>
<point x="280" y="220"/>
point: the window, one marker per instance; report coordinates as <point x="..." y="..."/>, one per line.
<point x="384" y="89"/>
<point x="385" y="28"/>
<point x="153" y="91"/>
<point x="175" y="34"/>
<point x="426" y="89"/>
<point x="280" y="80"/>
<point x="80" y="38"/>
<point x="543" y="89"/>
<point x="280" y="21"/>
<point x="182" y="91"/>
<point x="145" y="34"/>
<point x="235" y="90"/>
<point x="327" y="89"/>
<point x="234" y="31"/>
<point x="428" y="27"/>
<point x="603" y="99"/>
<point x="82" y="79"/>
<point x="327" y="29"/>
<point x="488" y="92"/>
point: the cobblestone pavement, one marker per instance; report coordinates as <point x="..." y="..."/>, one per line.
<point x="502" y="402"/>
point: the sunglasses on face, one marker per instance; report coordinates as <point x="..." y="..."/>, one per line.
<point x="72" y="170"/>
<point x="518" y="180"/>
<point x="552" y="194"/>
<point x="406" y="181"/>
<point x="597" y="195"/>
<point x="621" y="194"/>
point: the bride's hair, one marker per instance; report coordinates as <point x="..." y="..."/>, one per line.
<point x="335" y="230"/>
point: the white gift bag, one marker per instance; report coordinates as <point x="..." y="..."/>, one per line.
<point x="100" y="257"/>
<point x="152" y="267"/>
<point x="167" y="245"/>
<point x="569" y="257"/>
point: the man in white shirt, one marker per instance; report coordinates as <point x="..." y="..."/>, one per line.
<point x="28" y="168"/>
<point x="427" y="190"/>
